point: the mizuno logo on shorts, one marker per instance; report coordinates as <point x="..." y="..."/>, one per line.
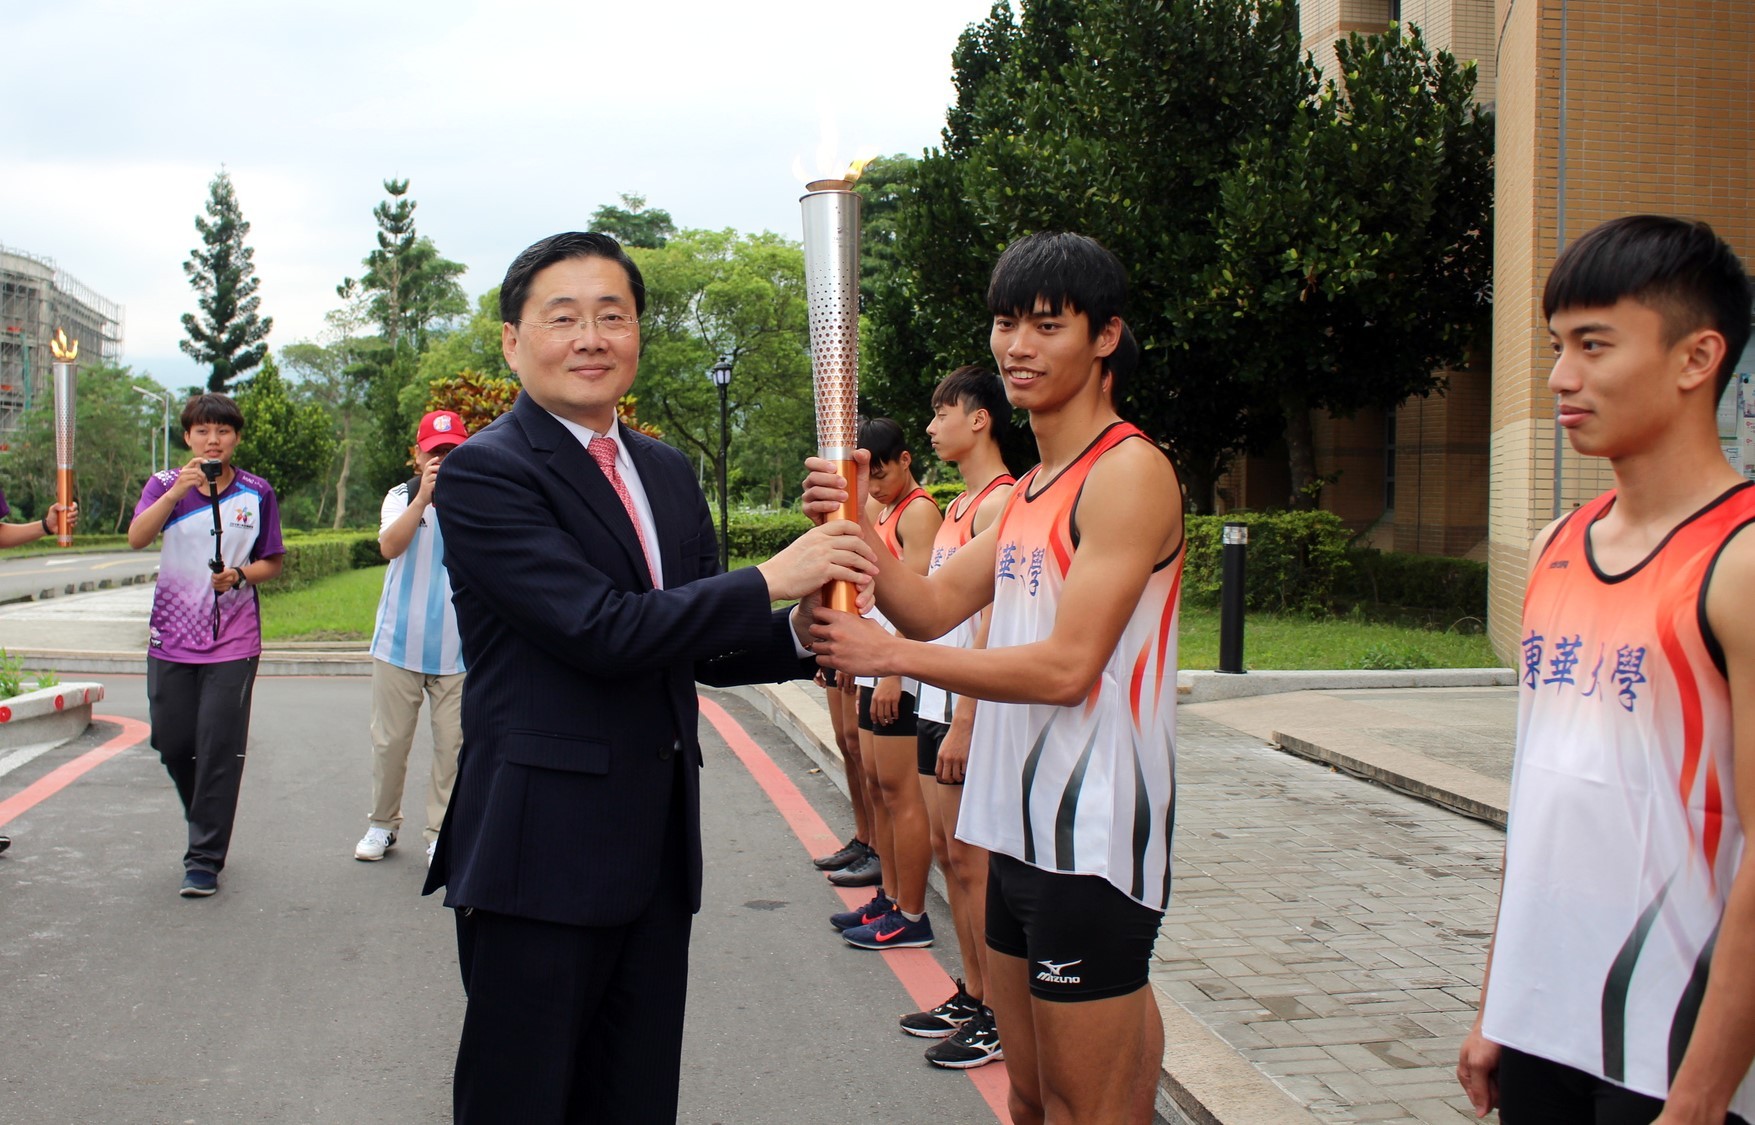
<point x="1054" y="972"/>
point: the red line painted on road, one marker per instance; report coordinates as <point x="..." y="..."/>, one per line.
<point x="134" y="732"/>
<point x="920" y="973"/>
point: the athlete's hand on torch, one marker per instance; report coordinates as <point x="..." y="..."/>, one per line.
<point x="61" y="517"/>
<point x="852" y="645"/>
<point x="825" y="490"/>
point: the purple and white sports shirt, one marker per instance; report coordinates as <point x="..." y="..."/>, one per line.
<point x="182" y="605"/>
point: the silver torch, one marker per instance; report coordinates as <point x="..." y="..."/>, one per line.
<point x="831" y="286"/>
<point x="65" y="353"/>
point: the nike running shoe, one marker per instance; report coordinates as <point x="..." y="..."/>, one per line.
<point x="975" y="1044"/>
<point x="892" y="931"/>
<point x="936" y="1023"/>
<point x="851" y="852"/>
<point x="865" y="915"/>
<point x="866" y="871"/>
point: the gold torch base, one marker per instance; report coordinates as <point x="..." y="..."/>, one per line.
<point x="844" y="596"/>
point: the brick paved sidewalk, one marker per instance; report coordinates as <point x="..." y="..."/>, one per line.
<point x="1330" y="931"/>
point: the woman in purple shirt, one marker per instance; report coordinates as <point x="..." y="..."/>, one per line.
<point x="206" y="628"/>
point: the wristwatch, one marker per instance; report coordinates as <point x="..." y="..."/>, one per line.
<point x="242" y="581"/>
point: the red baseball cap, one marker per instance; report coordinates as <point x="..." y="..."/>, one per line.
<point x="441" y="427"/>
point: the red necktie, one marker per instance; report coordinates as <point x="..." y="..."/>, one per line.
<point x="603" y="451"/>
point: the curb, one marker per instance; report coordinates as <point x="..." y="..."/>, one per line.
<point x="48" y="716"/>
<point x="1211" y="1085"/>
<point x="1211" y="687"/>
<point x="1439" y="783"/>
<point x="274" y="662"/>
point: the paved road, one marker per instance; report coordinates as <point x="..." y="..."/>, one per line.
<point x="317" y="988"/>
<point x="29" y="576"/>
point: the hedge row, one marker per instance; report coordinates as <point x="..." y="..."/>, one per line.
<point x="313" y="556"/>
<point x="1295" y="560"/>
<point x="1446" y="588"/>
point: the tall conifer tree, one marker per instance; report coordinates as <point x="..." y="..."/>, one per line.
<point x="227" y="335"/>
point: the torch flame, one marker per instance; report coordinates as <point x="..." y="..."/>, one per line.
<point x="63" y="350"/>
<point x="857" y="166"/>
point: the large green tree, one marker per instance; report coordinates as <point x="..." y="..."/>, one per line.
<point x="1126" y="120"/>
<point x="720" y="293"/>
<point x="1363" y="235"/>
<point x="228" y="334"/>
<point x="335" y="372"/>
<point x="633" y="223"/>
<point x="411" y="293"/>
<point x="409" y="287"/>
<point x="286" y="441"/>
<point x="112" y="451"/>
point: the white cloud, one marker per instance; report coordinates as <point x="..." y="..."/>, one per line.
<point x="512" y="120"/>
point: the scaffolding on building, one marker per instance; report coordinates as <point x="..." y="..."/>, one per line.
<point x="36" y="298"/>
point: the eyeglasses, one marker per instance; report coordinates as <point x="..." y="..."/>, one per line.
<point x="610" y="325"/>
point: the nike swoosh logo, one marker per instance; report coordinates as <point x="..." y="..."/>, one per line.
<point x="895" y="933"/>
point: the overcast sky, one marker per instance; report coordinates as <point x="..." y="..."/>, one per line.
<point x="512" y="120"/>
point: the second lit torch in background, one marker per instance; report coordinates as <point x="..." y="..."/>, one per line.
<point x="65" y="353"/>
<point x="831" y="285"/>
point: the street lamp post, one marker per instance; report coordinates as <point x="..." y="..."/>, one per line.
<point x="720" y="373"/>
<point x="164" y="397"/>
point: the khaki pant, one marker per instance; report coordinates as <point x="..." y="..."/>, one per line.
<point x="396" y="697"/>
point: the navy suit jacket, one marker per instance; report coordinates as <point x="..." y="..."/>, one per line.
<point x="580" y="691"/>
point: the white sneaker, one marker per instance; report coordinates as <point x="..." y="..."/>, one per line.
<point x="432" y="846"/>
<point x="374" y="844"/>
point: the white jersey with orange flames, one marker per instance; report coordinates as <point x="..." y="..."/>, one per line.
<point x="1088" y="789"/>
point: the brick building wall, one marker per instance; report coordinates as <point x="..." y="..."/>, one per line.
<point x="1667" y="128"/>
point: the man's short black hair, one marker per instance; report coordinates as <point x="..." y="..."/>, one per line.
<point x="1121" y="363"/>
<point x="885" y="439"/>
<point x="213" y="410"/>
<point x="1061" y="270"/>
<point x="1676" y="267"/>
<point x="974" y="387"/>
<point x="515" y="289"/>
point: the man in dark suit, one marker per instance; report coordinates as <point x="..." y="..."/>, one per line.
<point x="590" y="602"/>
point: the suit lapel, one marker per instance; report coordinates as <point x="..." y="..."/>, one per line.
<point x="667" y="513"/>
<point x="568" y="460"/>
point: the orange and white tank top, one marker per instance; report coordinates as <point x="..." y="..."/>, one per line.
<point x="1087" y="789"/>
<point x="957" y="529"/>
<point x="1623" y="838"/>
<point x="889" y="529"/>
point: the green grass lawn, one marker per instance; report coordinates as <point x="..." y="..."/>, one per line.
<point x="1292" y="643"/>
<point x="338" y="608"/>
<point x="343" y="607"/>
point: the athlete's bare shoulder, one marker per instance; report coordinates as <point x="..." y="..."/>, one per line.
<point x="1730" y="593"/>
<point x="991" y="506"/>
<point x="1133" y="486"/>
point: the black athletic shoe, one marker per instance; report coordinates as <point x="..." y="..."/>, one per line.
<point x="198" y="883"/>
<point x="975" y="1044"/>
<point x="863" y="872"/>
<point x="851" y="851"/>
<point x="5" y="842"/>
<point x="943" y="1020"/>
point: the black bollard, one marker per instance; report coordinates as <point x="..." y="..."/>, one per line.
<point x="1231" y="556"/>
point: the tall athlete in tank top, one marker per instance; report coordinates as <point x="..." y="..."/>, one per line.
<point x="1621" y="984"/>
<point x="1070" y="778"/>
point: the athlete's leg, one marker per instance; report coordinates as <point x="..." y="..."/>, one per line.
<point x="844" y="717"/>
<point x="911" y="844"/>
<point x="966" y="880"/>
<point x="880" y="817"/>
<point x="1008" y="994"/>
<point x="1070" y="1035"/>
